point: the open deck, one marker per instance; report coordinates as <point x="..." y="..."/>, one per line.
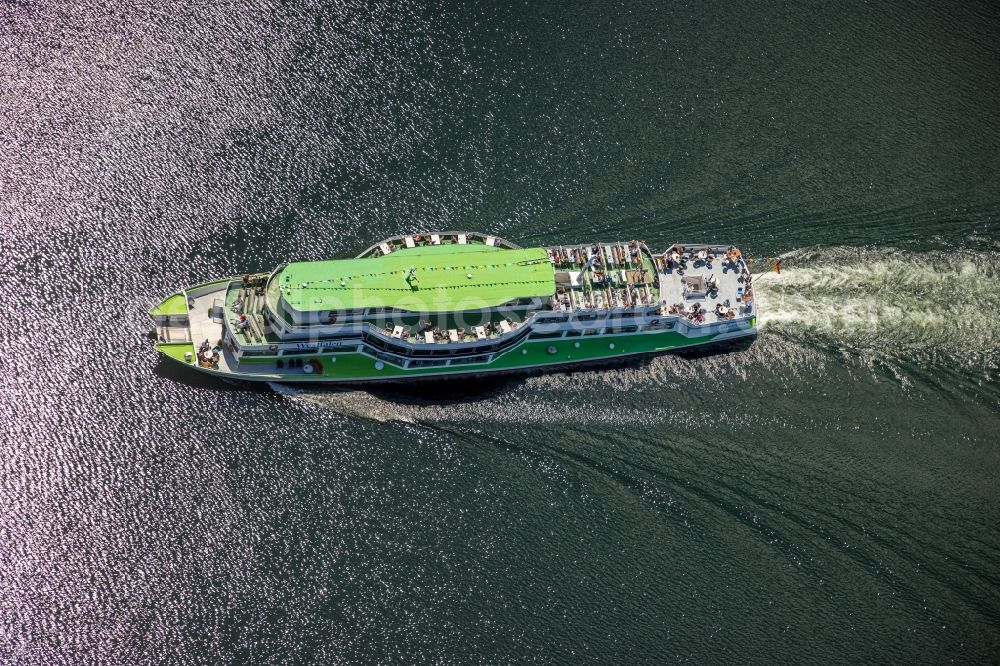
<point x="603" y="276"/>
<point x="244" y="308"/>
<point x="704" y="283"/>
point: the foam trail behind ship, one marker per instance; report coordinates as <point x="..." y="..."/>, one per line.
<point x="887" y="305"/>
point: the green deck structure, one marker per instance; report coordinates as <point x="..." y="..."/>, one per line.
<point x="173" y="305"/>
<point x="433" y="278"/>
<point x="176" y="350"/>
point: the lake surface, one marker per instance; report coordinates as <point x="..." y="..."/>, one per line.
<point x="829" y="494"/>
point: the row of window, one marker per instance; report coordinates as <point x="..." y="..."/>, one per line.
<point x="611" y="330"/>
<point x="430" y="363"/>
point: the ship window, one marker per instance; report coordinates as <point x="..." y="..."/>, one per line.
<point x="591" y="331"/>
<point x="470" y="359"/>
<point x="542" y="336"/>
<point x="573" y="334"/>
<point x="424" y="363"/>
<point x="300" y="352"/>
<point x="346" y="350"/>
<point x="395" y="360"/>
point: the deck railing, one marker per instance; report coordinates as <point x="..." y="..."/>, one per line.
<point x="444" y="238"/>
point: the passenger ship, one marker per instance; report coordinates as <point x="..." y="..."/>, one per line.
<point x="456" y="304"/>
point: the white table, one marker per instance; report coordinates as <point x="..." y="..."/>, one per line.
<point x="397" y="332"/>
<point x="453" y="334"/>
<point x="428" y="336"/>
<point x="505" y="327"/>
<point x="480" y="332"/>
<point x="409" y="242"/>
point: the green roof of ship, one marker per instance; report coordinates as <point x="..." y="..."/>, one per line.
<point x="432" y="278"/>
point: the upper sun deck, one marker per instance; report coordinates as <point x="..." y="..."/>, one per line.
<point x="446" y="277"/>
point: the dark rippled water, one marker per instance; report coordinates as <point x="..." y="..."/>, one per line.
<point x="829" y="494"/>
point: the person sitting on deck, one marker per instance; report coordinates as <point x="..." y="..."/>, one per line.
<point x="244" y="322"/>
<point x="205" y="346"/>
